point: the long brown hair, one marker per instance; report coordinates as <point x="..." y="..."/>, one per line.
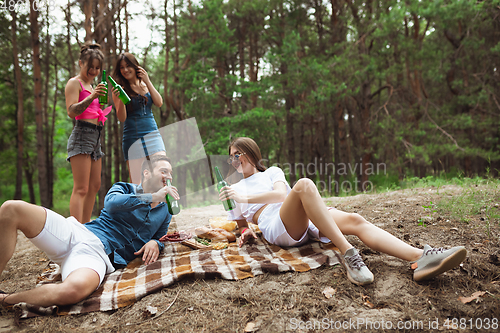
<point x="251" y="150"/>
<point x="89" y="52"/>
<point x="117" y="74"/>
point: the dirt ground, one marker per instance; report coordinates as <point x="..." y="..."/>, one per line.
<point x="295" y="302"/>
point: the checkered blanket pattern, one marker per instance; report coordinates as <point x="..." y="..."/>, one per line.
<point x="126" y="286"/>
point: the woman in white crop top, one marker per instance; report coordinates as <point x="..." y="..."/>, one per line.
<point x="289" y="217"/>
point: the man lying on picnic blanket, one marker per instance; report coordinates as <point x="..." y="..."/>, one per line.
<point x="132" y="221"/>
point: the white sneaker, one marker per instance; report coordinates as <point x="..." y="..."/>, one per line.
<point x="435" y="261"/>
<point x="357" y="272"/>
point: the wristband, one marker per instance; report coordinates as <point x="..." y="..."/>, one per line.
<point x="244" y="229"/>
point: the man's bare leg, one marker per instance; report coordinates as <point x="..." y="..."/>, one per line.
<point x="30" y="219"/>
<point x="76" y="287"/>
<point x="18" y="215"/>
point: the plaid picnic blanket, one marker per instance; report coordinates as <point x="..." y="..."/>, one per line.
<point x="126" y="286"/>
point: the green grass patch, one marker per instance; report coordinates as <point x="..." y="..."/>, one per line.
<point x="475" y="200"/>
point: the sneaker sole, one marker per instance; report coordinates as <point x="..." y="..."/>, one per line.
<point x="449" y="263"/>
<point x="357" y="282"/>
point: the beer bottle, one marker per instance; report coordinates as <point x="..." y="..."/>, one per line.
<point x="173" y="205"/>
<point x="104" y="98"/>
<point x="228" y="204"/>
<point x="123" y="95"/>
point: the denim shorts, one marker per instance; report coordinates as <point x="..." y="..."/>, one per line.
<point x="72" y="246"/>
<point x="85" y="139"/>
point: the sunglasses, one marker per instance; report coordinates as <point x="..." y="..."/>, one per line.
<point x="235" y="158"/>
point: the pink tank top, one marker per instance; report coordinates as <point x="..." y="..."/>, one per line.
<point x="94" y="109"/>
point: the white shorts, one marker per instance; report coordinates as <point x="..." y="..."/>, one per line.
<point x="274" y="230"/>
<point x="72" y="246"/>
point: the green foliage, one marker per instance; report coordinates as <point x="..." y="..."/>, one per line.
<point x="219" y="131"/>
<point x="416" y="83"/>
<point x="62" y="190"/>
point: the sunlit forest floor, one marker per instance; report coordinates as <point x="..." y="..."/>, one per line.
<point x="444" y="216"/>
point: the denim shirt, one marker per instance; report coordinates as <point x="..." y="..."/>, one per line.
<point x="127" y="222"/>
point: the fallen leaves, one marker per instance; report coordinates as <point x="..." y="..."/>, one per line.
<point x="329" y="292"/>
<point x="475" y="296"/>
<point x="149" y="312"/>
<point x="367" y="302"/>
<point x="250" y="327"/>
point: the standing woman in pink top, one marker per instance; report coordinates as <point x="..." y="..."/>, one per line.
<point x="84" y="144"/>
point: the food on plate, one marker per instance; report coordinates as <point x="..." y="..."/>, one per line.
<point x="228" y="235"/>
<point x="192" y="243"/>
<point x="208" y="238"/>
<point x="202" y="241"/>
<point x="177" y="236"/>
<point x="220" y="235"/>
<point x="219" y="246"/>
<point x="223" y="223"/>
<point x="207" y="233"/>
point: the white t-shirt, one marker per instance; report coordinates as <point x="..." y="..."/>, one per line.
<point x="259" y="182"/>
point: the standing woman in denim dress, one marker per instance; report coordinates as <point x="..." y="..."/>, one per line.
<point x="84" y="144"/>
<point x="141" y="137"/>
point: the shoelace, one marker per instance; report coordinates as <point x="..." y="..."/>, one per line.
<point x="355" y="261"/>
<point x="436" y="250"/>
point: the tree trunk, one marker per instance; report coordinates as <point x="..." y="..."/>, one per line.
<point x="46" y="127"/>
<point x="37" y="75"/>
<point x="20" y="111"/>
<point x="176" y="93"/>
<point x="241" y="52"/>
<point x="168" y="107"/>
<point x="87" y="11"/>
<point x="71" y="60"/>
<point x="337" y="111"/>
<point x="126" y="26"/>
<point x="29" y="180"/>
<point x="52" y="129"/>
<point x="104" y="160"/>
<point x="124" y="171"/>
<point x="253" y="59"/>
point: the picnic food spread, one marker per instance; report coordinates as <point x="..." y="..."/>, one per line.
<point x="202" y="238"/>
<point x="223" y="223"/>
<point x="216" y="237"/>
<point x="177" y="236"/>
<point x="215" y="234"/>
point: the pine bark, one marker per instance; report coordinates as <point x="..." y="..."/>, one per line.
<point x="37" y="75"/>
<point x="20" y="110"/>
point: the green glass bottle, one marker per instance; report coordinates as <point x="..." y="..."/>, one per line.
<point x="228" y="204"/>
<point x="173" y="205"/>
<point x="103" y="100"/>
<point x="123" y="95"/>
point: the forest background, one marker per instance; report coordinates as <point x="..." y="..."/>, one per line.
<point x="363" y="92"/>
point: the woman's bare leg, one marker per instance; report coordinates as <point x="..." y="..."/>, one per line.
<point x="80" y="166"/>
<point x="134" y="170"/>
<point x="374" y="237"/>
<point x="93" y="188"/>
<point x="304" y="203"/>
